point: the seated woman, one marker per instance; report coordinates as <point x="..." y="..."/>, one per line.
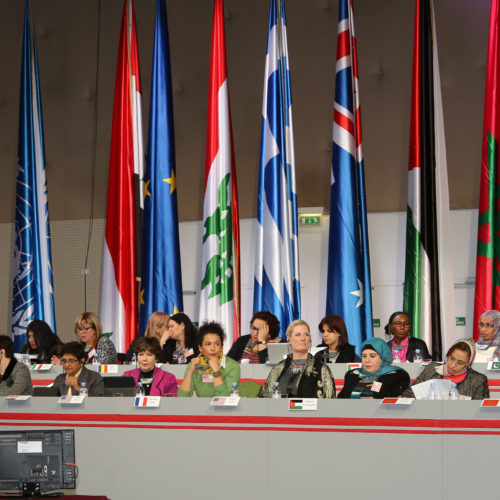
<point x="69" y="383"/>
<point x="156" y="327"/>
<point x="41" y="341"/>
<point x="264" y="329"/>
<point x="211" y="373"/>
<point x="457" y="368"/>
<point x="156" y="382"/>
<point x="300" y="374"/>
<point x="179" y="345"/>
<point x="376" y="379"/>
<point x="488" y="343"/>
<point x="336" y="342"/>
<point x="401" y="344"/>
<point x="88" y="329"/>
<point x="15" y="377"/>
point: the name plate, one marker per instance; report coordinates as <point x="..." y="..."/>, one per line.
<point x="107" y="368"/>
<point x="352" y="366"/>
<point x="302" y="404"/>
<point x="490" y="403"/>
<point x="71" y="400"/>
<point x="41" y="367"/>
<point x="147" y="401"/>
<point x="230" y="401"/>
<point x="13" y="397"/>
<point x="397" y="401"/>
<point x="493" y="365"/>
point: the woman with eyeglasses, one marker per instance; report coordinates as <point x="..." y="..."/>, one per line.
<point x="75" y="374"/>
<point x="402" y="345"/>
<point x="488" y="343"/>
<point x="88" y="329"/>
<point x="457" y="368"/>
<point x="264" y="329"/>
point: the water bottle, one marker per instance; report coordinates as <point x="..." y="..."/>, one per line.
<point x="453" y="394"/>
<point x="95" y="360"/>
<point x="234" y="390"/>
<point x="417" y="357"/>
<point x="134" y="359"/>
<point x="83" y="389"/>
<point x="276" y="391"/>
<point x="396" y="358"/>
<point x="140" y="390"/>
<point x="432" y="390"/>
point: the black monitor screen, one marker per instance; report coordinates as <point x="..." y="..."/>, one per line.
<point x="37" y="457"/>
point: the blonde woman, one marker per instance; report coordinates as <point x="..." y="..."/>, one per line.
<point x="300" y="374"/>
<point x="157" y="327"/>
<point x="88" y="330"/>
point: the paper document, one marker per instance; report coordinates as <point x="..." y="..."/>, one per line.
<point x="443" y="387"/>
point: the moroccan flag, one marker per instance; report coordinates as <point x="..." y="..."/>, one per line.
<point x="161" y="284"/>
<point x="220" y="284"/>
<point x="277" y="280"/>
<point x="118" y="292"/>
<point x="428" y="290"/>
<point x="33" y="293"/>
<point x="487" y="294"/>
<point x="349" y="282"/>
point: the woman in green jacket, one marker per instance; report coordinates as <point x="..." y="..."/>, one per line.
<point x="211" y="373"/>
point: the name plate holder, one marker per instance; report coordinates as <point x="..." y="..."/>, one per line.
<point x="493" y="366"/>
<point x="396" y="402"/>
<point x="71" y="400"/>
<point x="302" y="404"/>
<point x="353" y="366"/>
<point x="225" y="401"/>
<point x="17" y="399"/>
<point x="147" y="401"/>
<point x="41" y="367"/>
<point x="490" y="403"/>
<point x="107" y="368"/>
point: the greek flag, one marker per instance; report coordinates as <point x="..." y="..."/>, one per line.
<point x="33" y="293"/>
<point x="277" y="286"/>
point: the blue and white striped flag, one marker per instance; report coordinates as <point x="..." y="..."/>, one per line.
<point x="161" y="284"/>
<point x="277" y="286"/>
<point x="349" y="283"/>
<point x="33" y="294"/>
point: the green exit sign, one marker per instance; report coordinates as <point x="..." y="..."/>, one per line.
<point x="460" y="321"/>
<point x="310" y="220"/>
<point x="376" y="323"/>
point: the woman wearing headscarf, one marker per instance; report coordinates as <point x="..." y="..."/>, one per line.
<point x="377" y="378"/>
<point x="488" y="343"/>
<point x="457" y="368"/>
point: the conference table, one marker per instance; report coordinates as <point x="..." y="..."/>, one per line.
<point x="187" y="448"/>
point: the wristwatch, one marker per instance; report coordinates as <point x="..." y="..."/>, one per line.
<point x="262" y="342"/>
<point x="217" y="374"/>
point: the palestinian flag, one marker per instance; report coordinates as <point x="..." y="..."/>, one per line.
<point x="487" y="294"/>
<point x="428" y="289"/>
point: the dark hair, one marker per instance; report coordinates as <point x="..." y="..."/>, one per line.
<point x="190" y="331"/>
<point x="56" y="351"/>
<point x="391" y="319"/>
<point x="45" y="339"/>
<point x="208" y="328"/>
<point x="272" y="322"/>
<point x="7" y="344"/>
<point x="461" y="346"/>
<point x="75" y="348"/>
<point x="335" y="323"/>
<point x="150" y="344"/>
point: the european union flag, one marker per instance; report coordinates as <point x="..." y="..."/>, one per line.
<point x="161" y="285"/>
<point x="33" y="293"/>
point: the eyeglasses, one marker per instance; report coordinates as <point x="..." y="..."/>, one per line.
<point x="406" y="324"/>
<point x="84" y="329"/>
<point x="69" y="361"/>
<point x="459" y="362"/>
<point x="485" y="325"/>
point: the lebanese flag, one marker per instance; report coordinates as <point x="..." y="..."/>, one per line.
<point x="487" y="293"/>
<point x="118" y="292"/>
<point x="428" y="290"/>
<point x="220" y="285"/>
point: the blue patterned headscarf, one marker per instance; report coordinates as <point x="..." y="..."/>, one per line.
<point x="384" y="351"/>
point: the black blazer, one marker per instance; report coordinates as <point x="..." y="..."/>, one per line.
<point x="167" y="354"/>
<point x="393" y="384"/>
<point x="93" y="381"/>
<point x="237" y="349"/>
<point x="413" y="344"/>
<point x="346" y="355"/>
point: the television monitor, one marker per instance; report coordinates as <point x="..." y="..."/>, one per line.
<point x="37" y="460"/>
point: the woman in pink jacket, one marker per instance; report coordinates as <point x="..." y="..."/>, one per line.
<point x="155" y="381"/>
